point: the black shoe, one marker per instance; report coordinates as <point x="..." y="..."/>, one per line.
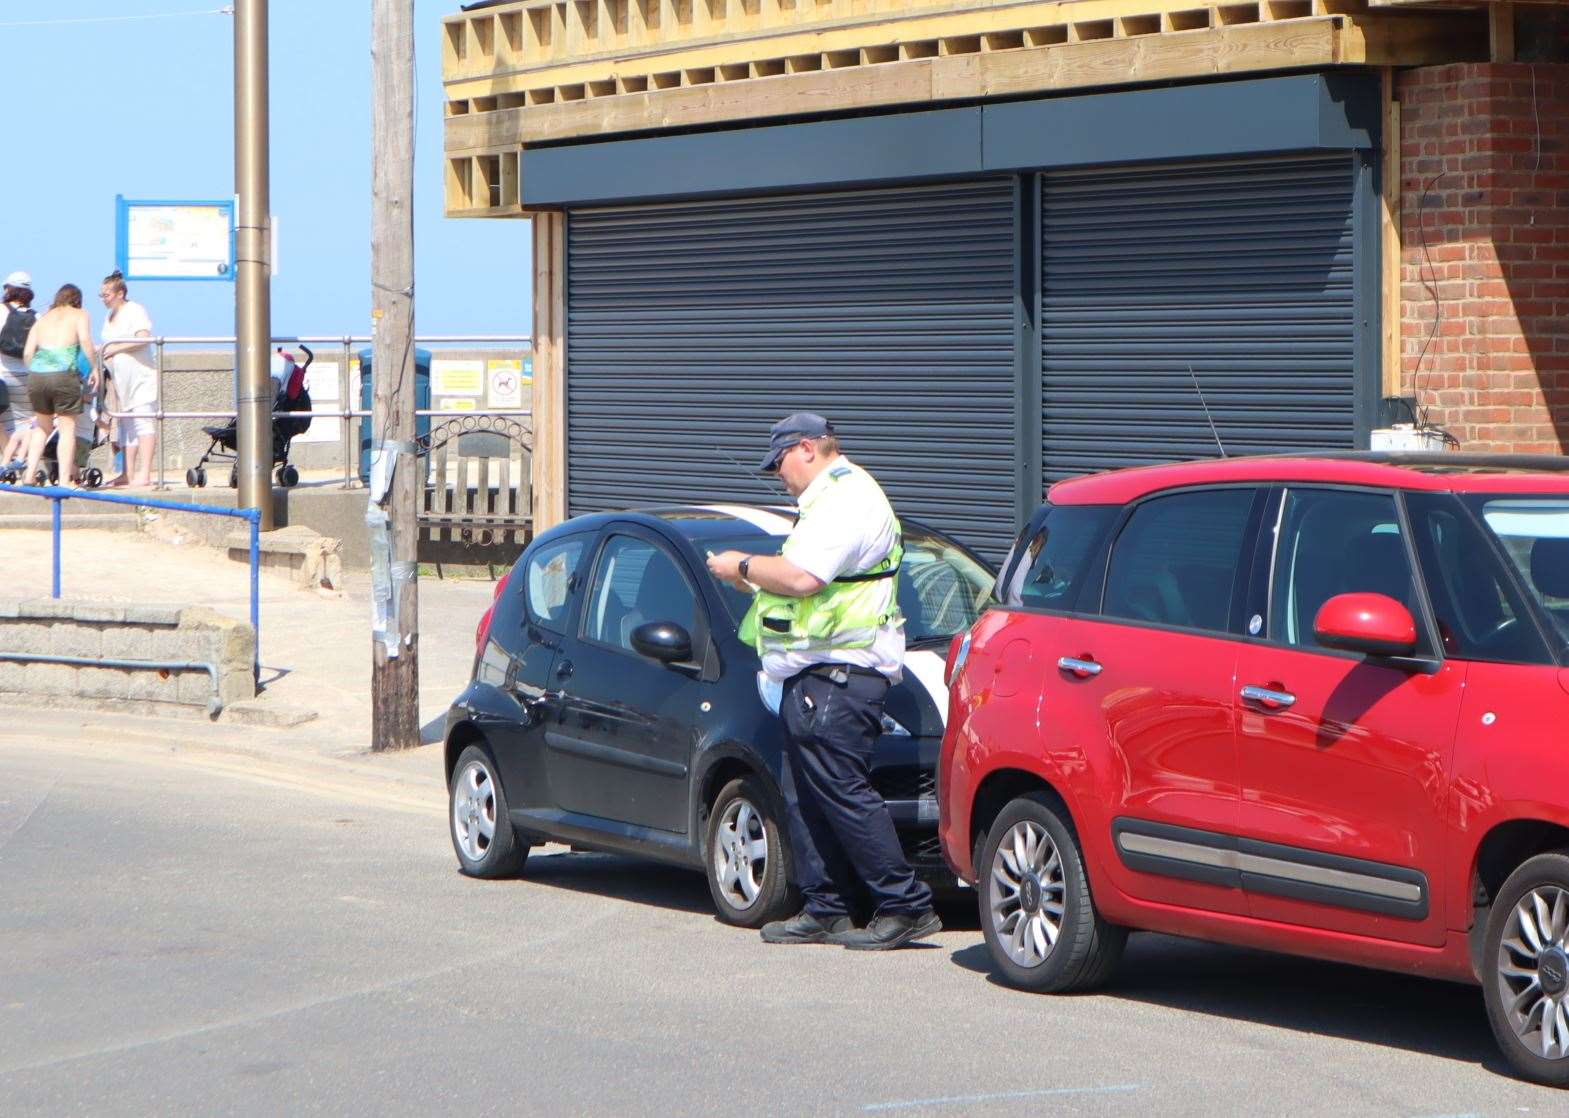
<point x="803" y="927"/>
<point x="893" y="930"/>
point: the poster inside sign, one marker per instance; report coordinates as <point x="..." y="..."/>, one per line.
<point x="457" y="378"/>
<point x="321" y="381"/>
<point x="506" y="384"/>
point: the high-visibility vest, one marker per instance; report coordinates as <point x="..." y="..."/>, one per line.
<point x="847" y="612"/>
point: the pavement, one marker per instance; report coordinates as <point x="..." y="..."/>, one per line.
<point x="210" y="918"/>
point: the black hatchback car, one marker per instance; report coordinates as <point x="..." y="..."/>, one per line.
<point x="613" y="706"/>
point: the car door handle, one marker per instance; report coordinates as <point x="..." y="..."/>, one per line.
<point x="1277" y="700"/>
<point x="1083" y="668"/>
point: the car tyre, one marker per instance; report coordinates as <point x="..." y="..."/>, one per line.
<point x="1036" y="912"/>
<point x="747" y="856"/>
<point x="482" y="833"/>
<point x="1525" y="977"/>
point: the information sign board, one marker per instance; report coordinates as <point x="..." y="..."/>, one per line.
<point x="166" y="240"/>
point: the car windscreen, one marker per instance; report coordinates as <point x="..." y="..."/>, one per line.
<point x="942" y="588"/>
<point x="1534" y="531"/>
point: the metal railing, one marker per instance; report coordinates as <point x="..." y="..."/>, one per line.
<point x="57" y="495"/>
<point x="346" y="414"/>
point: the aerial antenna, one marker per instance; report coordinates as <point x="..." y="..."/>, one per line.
<point x="754" y="476"/>
<point x="1205" y="404"/>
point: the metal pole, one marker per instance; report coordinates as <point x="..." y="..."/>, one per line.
<point x="253" y="291"/>
<point x="256" y="590"/>
<point x="351" y="428"/>
<point x="394" y="662"/>
<point x="158" y="420"/>
<point x="54" y="518"/>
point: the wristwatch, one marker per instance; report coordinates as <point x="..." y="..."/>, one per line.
<point x="743" y="567"/>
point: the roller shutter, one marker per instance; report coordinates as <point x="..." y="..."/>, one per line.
<point x="1242" y="270"/>
<point x="691" y="327"/>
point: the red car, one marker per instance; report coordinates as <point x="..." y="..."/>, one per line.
<point x="1310" y="704"/>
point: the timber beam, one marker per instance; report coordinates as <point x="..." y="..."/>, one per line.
<point x="482" y="149"/>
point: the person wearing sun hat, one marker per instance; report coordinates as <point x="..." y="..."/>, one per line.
<point x="16" y="298"/>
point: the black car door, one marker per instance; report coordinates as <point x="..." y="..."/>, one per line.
<point x="531" y="619"/>
<point x="622" y="749"/>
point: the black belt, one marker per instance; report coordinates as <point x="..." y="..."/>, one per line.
<point x="841" y="673"/>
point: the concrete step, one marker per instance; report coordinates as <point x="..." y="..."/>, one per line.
<point x="118" y="521"/>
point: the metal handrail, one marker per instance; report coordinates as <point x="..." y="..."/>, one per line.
<point x="57" y="494"/>
<point x="345" y="415"/>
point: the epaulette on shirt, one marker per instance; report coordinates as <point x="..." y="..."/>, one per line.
<point x="839" y="472"/>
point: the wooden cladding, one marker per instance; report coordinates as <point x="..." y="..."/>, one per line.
<point x="545" y="70"/>
<point x="543" y="52"/>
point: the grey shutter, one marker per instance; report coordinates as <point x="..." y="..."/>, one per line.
<point x="1242" y="270"/>
<point x="691" y="327"/>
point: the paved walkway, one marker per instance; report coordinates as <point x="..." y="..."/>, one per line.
<point x="315" y="647"/>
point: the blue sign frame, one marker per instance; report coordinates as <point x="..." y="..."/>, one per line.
<point x="122" y="231"/>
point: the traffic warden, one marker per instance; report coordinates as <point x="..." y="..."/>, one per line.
<point x="825" y="620"/>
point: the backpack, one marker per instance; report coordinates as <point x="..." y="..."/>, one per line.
<point x="13" y="335"/>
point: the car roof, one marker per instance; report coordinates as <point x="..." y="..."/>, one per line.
<point x="1448" y="472"/>
<point x="722" y="520"/>
<point x="729" y="521"/>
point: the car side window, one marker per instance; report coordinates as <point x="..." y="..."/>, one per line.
<point x="636" y="582"/>
<point x="1479" y="613"/>
<point x="549" y="580"/>
<point x="1175" y="560"/>
<point x="1335" y="542"/>
<point x="1054" y="555"/>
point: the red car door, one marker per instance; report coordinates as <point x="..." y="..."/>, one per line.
<point x="1344" y="758"/>
<point x="1152" y="677"/>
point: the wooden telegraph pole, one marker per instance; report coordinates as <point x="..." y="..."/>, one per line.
<point x="395" y="649"/>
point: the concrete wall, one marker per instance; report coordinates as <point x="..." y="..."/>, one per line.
<point x="204" y="381"/>
<point x="125" y="632"/>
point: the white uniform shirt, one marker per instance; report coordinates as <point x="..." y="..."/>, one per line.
<point x="845" y="534"/>
<point x="135" y="378"/>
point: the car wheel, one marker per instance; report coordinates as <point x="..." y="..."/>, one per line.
<point x="482" y="833"/>
<point x="748" y="857"/>
<point x="1526" y="986"/>
<point x="1036" y="911"/>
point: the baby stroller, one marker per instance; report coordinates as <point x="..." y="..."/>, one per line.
<point x="291" y="417"/>
<point x="89" y="437"/>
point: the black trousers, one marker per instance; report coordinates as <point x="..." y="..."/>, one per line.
<point x="840" y="829"/>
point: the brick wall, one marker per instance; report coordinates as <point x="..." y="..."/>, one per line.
<point x="1496" y="372"/>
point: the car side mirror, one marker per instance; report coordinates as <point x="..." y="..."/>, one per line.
<point x="1373" y="624"/>
<point x="664" y="641"/>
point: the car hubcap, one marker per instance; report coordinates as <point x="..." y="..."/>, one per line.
<point x="474" y="811"/>
<point x="1026" y="894"/>
<point x="740" y="853"/>
<point x="1533" y="971"/>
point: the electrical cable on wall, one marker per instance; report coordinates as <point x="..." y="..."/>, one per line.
<point x="1430" y="282"/>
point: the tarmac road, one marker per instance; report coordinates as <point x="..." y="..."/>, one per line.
<point x="195" y="926"/>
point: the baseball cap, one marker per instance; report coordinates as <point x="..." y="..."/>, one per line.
<point x="19" y="279"/>
<point x="791" y="430"/>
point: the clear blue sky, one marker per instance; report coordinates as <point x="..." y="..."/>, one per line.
<point x="145" y="109"/>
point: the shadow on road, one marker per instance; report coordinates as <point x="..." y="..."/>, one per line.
<point x="1433" y="1018"/>
<point x="625" y="879"/>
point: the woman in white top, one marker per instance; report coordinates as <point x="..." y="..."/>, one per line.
<point x="134" y="377"/>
